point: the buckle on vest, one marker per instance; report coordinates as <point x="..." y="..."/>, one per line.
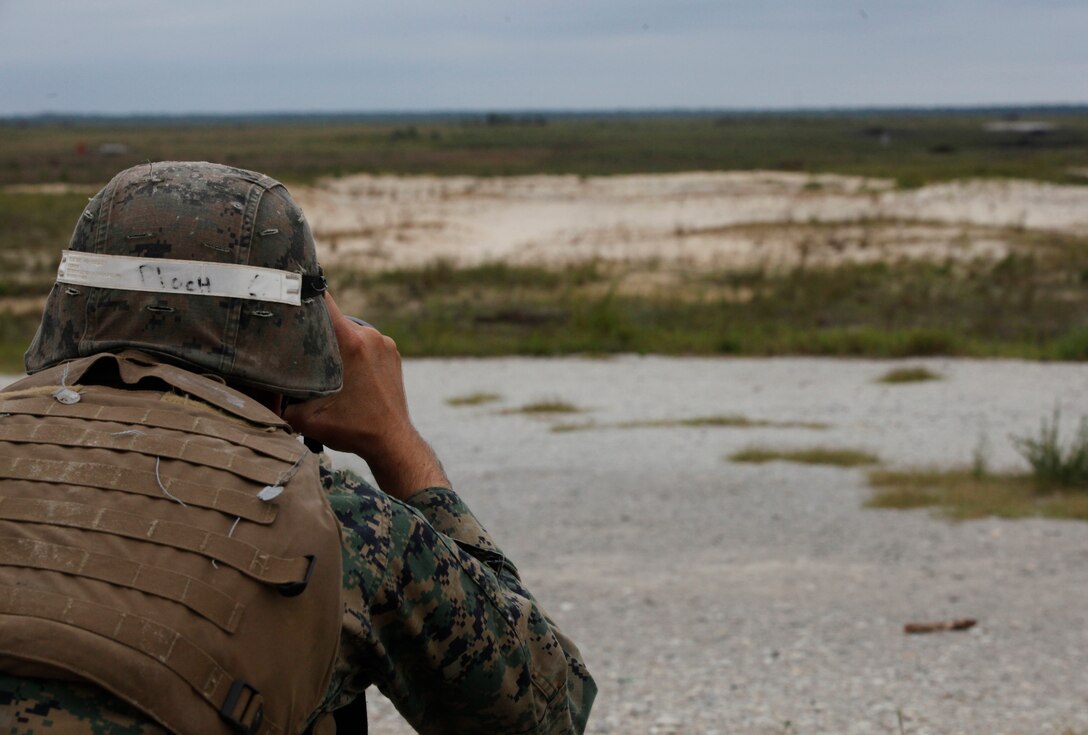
<point x="252" y="711"/>
<point x="294" y="589"/>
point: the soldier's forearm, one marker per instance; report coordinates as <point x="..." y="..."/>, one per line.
<point x="407" y="466"/>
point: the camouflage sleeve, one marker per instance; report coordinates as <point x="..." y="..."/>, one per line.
<point x="439" y="621"/>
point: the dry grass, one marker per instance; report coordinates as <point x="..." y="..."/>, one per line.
<point x="473" y="399"/>
<point x="961" y="494"/>
<point x="909" y="375"/>
<point x="837" y="457"/>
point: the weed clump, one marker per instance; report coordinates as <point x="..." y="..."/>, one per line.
<point x="473" y="399"/>
<point x="568" y="427"/>
<point x="734" y="421"/>
<point x="549" y="405"/>
<point x="908" y="375"/>
<point x="1052" y="465"/>
<point x="816" y="455"/>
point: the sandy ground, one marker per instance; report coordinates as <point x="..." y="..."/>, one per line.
<point x="730" y="219"/>
<point x="717" y="598"/>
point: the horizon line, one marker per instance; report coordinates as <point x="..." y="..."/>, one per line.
<point x="558" y="112"/>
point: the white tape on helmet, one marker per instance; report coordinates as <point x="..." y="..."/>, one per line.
<point x="194" y="278"/>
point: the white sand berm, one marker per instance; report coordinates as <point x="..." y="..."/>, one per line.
<point x="725" y="219"/>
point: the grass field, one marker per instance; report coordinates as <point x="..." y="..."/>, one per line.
<point x="911" y="148"/>
<point x="1033" y="303"/>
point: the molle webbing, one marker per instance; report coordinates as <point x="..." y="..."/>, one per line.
<point x="194" y="594"/>
<point x="167" y="646"/>
<point x="136" y="441"/>
<point x="246" y="558"/>
<point x="162" y="419"/>
<point x="233" y="503"/>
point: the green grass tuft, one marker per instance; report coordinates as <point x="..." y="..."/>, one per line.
<point x="549" y="405"/>
<point x="727" y="421"/>
<point x="909" y="375"/>
<point x="722" y="421"/>
<point x="473" y="399"/>
<point x="730" y="420"/>
<point x="836" y="457"/>
<point x="566" y="428"/>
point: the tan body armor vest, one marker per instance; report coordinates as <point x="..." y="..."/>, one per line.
<point x="181" y="557"/>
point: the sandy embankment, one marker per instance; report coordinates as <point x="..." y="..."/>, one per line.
<point x="732" y="220"/>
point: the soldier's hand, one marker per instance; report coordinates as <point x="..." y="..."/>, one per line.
<point x="369" y="416"/>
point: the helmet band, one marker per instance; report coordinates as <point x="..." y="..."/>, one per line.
<point x="187" y="277"/>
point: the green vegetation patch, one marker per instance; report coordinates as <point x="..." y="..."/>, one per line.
<point x="909" y="375"/>
<point x="912" y="149"/>
<point x="730" y="420"/>
<point x="568" y="427"/>
<point x="1032" y="304"/>
<point x="964" y="495"/>
<point x="473" y="399"/>
<point x="546" y="406"/>
<point x="1056" y="487"/>
<point x="837" y="457"/>
<point x="1029" y="305"/>
<point x="722" y="421"/>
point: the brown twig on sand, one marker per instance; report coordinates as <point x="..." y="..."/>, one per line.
<point x="962" y="624"/>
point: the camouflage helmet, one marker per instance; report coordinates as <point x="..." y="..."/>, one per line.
<point x="206" y="264"/>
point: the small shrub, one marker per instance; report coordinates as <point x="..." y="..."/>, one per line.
<point x="1051" y="464"/>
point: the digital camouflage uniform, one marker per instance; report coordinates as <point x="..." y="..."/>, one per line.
<point x="434" y="616"/>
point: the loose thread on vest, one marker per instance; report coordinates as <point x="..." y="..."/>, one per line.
<point x="229" y="534"/>
<point x="167" y="493"/>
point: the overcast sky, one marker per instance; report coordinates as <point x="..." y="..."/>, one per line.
<point x="179" y="56"/>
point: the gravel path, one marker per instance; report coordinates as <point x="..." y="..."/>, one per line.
<point x="712" y="597"/>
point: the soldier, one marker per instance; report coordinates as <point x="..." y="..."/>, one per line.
<point x="172" y="558"/>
